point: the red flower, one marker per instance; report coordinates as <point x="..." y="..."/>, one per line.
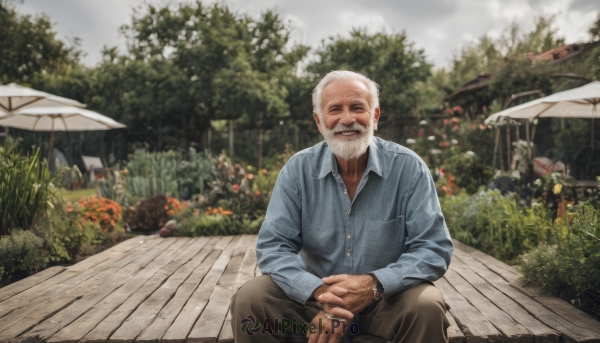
<point x="236" y="187"/>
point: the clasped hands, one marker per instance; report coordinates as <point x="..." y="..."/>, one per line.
<point x="341" y="296"/>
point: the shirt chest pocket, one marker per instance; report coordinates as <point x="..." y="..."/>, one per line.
<point x="384" y="242"/>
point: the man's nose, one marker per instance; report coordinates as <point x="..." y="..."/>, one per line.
<point x="347" y="117"/>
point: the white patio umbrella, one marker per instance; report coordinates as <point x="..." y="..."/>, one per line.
<point x="65" y="118"/>
<point x="578" y="102"/>
<point x="14" y="97"/>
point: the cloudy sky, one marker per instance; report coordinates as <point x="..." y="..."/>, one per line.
<point x="440" y="27"/>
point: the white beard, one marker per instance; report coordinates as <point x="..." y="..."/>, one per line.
<point x="349" y="149"/>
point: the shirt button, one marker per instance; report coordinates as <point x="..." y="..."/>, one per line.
<point x="349" y="236"/>
<point x="348" y="254"/>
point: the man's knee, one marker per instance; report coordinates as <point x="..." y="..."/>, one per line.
<point x="252" y="292"/>
<point x="427" y="302"/>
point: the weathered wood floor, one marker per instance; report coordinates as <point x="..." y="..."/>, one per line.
<point x="149" y="289"/>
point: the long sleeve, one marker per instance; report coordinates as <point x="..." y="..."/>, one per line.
<point x="428" y="243"/>
<point x="280" y="241"/>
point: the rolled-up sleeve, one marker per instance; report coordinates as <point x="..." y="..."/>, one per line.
<point x="280" y="241"/>
<point x="428" y="243"/>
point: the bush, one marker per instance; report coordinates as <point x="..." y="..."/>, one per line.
<point x="151" y="214"/>
<point x="216" y="222"/>
<point x="105" y="212"/>
<point x="25" y="185"/>
<point x="570" y="268"/>
<point x="19" y="255"/>
<point x="496" y="224"/>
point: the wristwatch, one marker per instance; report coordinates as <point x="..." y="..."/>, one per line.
<point x="378" y="290"/>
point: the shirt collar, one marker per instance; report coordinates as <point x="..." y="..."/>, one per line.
<point x="329" y="163"/>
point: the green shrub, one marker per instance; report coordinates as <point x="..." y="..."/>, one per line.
<point x="20" y="255"/>
<point x="570" y="268"/>
<point x="25" y="185"/>
<point x="61" y="232"/>
<point x="495" y="224"/>
<point x="194" y="223"/>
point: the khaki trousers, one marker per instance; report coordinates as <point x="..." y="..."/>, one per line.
<point x="413" y="315"/>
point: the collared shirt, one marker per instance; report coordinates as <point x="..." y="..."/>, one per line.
<point x="394" y="227"/>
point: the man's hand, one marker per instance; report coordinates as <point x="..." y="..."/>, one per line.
<point x="329" y="331"/>
<point x="348" y="294"/>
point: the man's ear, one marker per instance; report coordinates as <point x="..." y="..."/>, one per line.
<point x="376" y="117"/>
<point x="316" y="116"/>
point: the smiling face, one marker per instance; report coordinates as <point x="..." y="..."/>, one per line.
<point x="348" y="122"/>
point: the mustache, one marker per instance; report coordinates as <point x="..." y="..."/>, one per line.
<point x="339" y="127"/>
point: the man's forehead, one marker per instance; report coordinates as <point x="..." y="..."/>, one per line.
<point x="353" y="90"/>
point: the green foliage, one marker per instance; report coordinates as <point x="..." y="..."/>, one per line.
<point x="20" y="255"/>
<point x="148" y="174"/>
<point x="25" y="188"/>
<point x="495" y="224"/>
<point x="595" y="29"/>
<point x="570" y="267"/>
<point x="193" y="223"/>
<point x="28" y="46"/>
<point x="468" y="170"/>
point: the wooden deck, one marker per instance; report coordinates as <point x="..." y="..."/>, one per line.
<point x="149" y="289"/>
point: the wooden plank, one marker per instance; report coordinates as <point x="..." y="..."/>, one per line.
<point x="215" y="272"/>
<point x="233" y="267"/>
<point x="210" y="322"/>
<point x="473" y="325"/>
<point x="180" y="328"/>
<point x="226" y="334"/>
<point x="84" y="324"/>
<point x="541" y="332"/>
<point x="167" y="315"/>
<point x="13" y="325"/>
<point x="248" y="265"/>
<point x="561" y="307"/>
<point x="509" y="273"/>
<point x="511" y="330"/>
<point x="38" y="311"/>
<point x="145" y="313"/>
<point x="22" y="285"/>
<point x="570" y="332"/>
<point x="69" y="278"/>
<point x="54" y="297"/>
<point x="454" y="333"/>
<point x="146" y="265"/>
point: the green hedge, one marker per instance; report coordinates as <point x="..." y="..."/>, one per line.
<point x="20" y="255"/>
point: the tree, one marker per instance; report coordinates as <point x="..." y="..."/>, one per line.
<point x="595" y="29"/>
<point x="228" y="66"/>
<point x="28" y="46"/>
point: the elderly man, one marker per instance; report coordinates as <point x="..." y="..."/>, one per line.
<point x="353" y="236"/>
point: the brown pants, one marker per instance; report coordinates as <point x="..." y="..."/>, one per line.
<point x="414" y="315"/>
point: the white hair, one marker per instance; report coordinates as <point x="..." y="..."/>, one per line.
<point x="337" y="75"/>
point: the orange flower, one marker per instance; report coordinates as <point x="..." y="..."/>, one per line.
<point x="264" y="171"/>
<point x="226" y="213"/>
<point x="257" y="193"/>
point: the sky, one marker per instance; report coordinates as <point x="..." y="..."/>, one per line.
<point x="440" y="27"/>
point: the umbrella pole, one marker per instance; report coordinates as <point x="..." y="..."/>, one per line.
<point x="527" y="137"/>
<point x="508" y="166"/>
<point x="496" y="146"/>
<point x="592" y="134"/>
<point x="51" y="147"/>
